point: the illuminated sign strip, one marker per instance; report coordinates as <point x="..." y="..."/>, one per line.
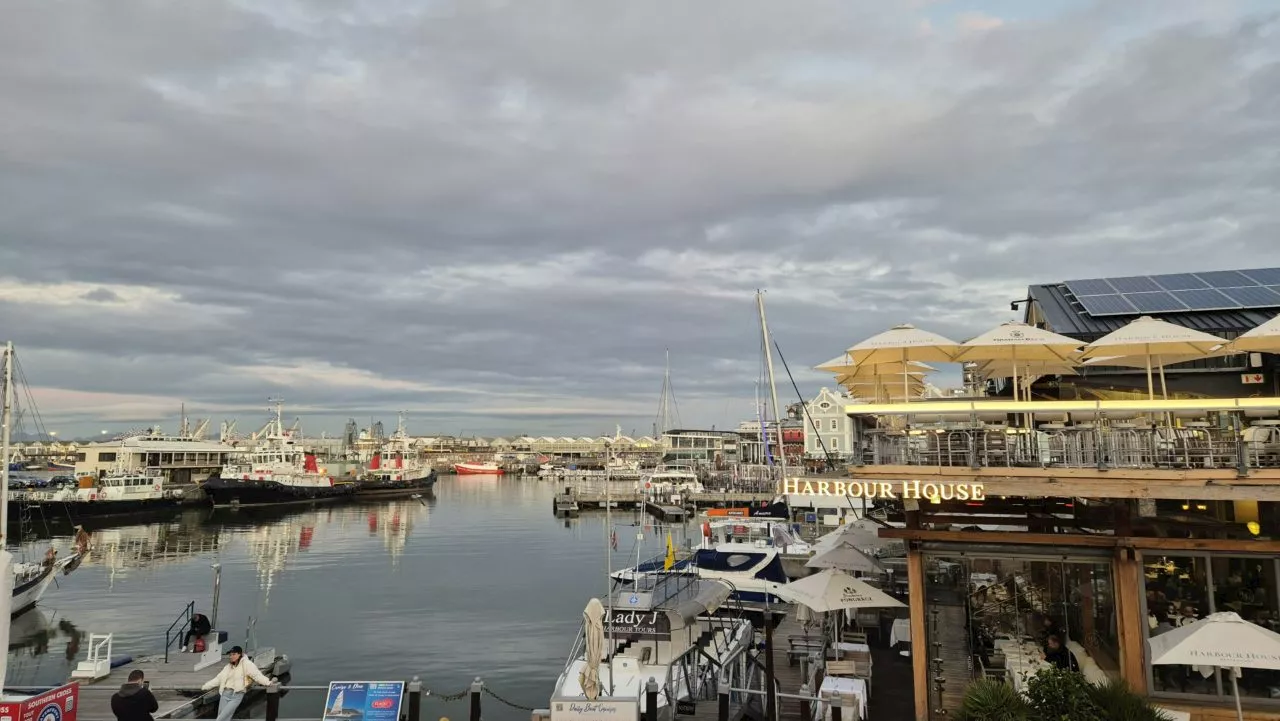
<point x="885" y="490"/>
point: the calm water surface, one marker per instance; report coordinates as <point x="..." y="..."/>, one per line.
<point x="481" y="581"/>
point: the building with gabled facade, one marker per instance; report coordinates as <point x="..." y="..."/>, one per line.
<point x="834" y="427"/>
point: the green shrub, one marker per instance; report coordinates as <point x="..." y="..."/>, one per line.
<point x="1119" y="703"/>
<point x="1056" y="694"/>
<point x="989" y="700"/>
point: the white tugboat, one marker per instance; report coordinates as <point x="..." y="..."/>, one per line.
<point x="396" y="469"/>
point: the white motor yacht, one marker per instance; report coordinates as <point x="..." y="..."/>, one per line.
<point x="760" y="531"/>
<point x="673" y="479"/>
<point x="753" y="572"/>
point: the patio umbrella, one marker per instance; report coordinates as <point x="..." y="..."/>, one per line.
<point x="593" y="626"/>
<point x="1220" y="639"/>
<point x="877" y="389"/>
<point x="861" y="534"/>
<point x="1153" y="340"/>
<point x="1138" y="361"/>
<point x="1263" y="339"/>
<point x="873" y="374"/>
<point x="904" y="343"/>
<point x="1018" y="342"/>
<point x="844" y="557"/>
<point x="832" y="590"/>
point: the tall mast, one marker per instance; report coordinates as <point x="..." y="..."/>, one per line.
<point x="773" y="386"/>
<point x="608" y="552"/>
<point x="4" y="451"/>
<point x="660" y="424"/>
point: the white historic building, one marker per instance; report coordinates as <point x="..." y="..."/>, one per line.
<point x="834" y="427"/>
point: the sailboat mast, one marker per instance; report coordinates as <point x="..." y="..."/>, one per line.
<point x="773" y="386"/>
<point x="4" y="448"/>
<point x="608" y="552"/>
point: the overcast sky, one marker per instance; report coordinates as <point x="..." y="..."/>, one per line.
<point x="497" y="214"/>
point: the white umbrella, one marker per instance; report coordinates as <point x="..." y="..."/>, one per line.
<point x="1220" y="639"/>
<point x="872" y="374"/>
<point x="1019" y="342"/>
<point x="593" y="624"/>
<point x="1151" y="338"/>
<point x="845" y="558"/>
<point x="1139" y="361"/>
<point x="832" y="590"/>
<point x="1263" y="339"/>
<point x="904" y="343"/>
<point x="861" y="534"/>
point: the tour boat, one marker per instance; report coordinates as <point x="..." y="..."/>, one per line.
<point x="276" y="471"/>
<point x="120" y="492"/>
<point x="671" y="478"/>
<point x="680" y="632"/>
<point x="478" y="469"/>
<point x="395" y="470"/>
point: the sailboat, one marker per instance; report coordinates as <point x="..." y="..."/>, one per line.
<point x="30" y="580"/>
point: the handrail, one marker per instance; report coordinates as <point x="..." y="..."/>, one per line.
<point x="184" y="618"/>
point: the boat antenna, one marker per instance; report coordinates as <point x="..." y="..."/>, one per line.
<point x="773" y="386"/>
<point x="608" y="554"/>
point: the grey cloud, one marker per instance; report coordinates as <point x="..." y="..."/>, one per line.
<point x="538" y="198"/>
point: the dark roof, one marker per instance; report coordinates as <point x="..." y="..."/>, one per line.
<point x="1064" y="314"/>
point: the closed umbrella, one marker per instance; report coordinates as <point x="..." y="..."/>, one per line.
<point x="904" y="343"/>
<point x="1263" y="339"/>
<point x="1019" y="342"/>
<point x="593" y="630"/>
<point x="1220" y="639"/>
<point x="1153" y="340"/>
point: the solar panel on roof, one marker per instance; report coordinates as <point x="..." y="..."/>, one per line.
<point x="1134" y="284"/>
<point x="1225" y="279"/>
<point x="1205" y="299"/>
<point x="1113" y="304"/>
<point x="1181" y="281"/>
<point x="1254" y="297"/>
<point x="1095" y="286"/>
<point x="1264" y="276"/>
<point x="1159" y="302"/>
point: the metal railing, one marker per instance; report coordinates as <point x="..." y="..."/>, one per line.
<point x="1085" y="445"/>
<point x="181" y="623"/>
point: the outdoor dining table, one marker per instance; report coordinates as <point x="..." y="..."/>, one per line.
<point x="846" y="687"/>
<point x="900" y="632"/>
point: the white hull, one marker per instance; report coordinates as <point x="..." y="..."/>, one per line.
<point x="28" y="593"/>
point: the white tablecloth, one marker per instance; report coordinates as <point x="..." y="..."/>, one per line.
<point x="900" y="632"/>
<point x="846" y="646"/>
<point x="847" y="688"/>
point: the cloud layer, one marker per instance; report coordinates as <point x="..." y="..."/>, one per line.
<point x="498" y="214"/>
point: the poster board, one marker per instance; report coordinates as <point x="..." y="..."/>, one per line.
<point x="361" y="701"/>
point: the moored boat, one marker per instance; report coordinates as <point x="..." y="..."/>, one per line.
<point x="396" y="470"/>
<point x="753" y="572"/>
<point x="277" y="471"/>
<point x="482" y="469"/>
<point x="117" y="493"/>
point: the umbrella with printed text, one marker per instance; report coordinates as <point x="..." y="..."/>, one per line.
<point x="1220" y="639"/>
<point x="904" y="343"/>
<point x="1017" y="343"/>
<point x="1154" y="340"/>
<point x="1262" y="339"/>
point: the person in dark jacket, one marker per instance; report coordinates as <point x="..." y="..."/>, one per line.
<point x="134" y="702"/>
<point x="200" y="627"/>
<point x="1060" y="656"/>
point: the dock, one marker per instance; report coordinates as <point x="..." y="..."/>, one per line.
<point x="665" y="512"/>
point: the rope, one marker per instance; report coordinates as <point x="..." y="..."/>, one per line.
<point x="503" y="700"/>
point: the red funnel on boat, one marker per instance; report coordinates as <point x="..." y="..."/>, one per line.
<point x="376" y="462"/>
<point x="309" y="464"/>
<point x="399" y="460"/>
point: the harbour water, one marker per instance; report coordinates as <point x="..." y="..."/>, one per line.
<point x="482" y="580"/>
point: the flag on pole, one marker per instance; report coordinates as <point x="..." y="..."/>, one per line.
<point x="671" y="554"/>
<point x="613" y="540"/>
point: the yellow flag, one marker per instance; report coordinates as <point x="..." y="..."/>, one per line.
<point x="671" y="554"/>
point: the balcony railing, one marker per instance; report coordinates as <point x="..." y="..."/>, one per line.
<point x="1129" y="444"/>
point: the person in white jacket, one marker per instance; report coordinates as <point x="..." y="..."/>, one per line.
<point x="232" y="681"/>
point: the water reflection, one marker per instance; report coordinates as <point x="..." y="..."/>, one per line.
<point x="481" y="580"/>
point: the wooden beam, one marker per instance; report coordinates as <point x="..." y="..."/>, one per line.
<point x="1130" y="625"/>
<point x="1072" y="540"/>
<point x="919" y="639"/>
<point x="1174" y="484"/>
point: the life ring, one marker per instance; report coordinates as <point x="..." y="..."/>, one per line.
<point x="648" y="484"/>
<point x="156" y="487"/>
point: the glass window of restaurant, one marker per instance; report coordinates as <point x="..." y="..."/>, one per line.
<point x="1181" y="588"/>
<point x="1007" y="614"/>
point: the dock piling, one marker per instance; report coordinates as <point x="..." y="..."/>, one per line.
<point x="722" y="707"/>
<point x="476" y="687"/>
<point x="806" y="711"/>
<point x="651" y="700"/>
<point x="415" y="700"/>
<point x="273" y="701"/>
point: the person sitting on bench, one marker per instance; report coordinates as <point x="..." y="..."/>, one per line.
<point x="200" y="627"/>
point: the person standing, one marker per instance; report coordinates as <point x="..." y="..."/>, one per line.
<point x="232" y="681"/>
<point x="134" y="701"/>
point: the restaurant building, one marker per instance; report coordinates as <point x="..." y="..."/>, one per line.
<point x="1086" y="509"/>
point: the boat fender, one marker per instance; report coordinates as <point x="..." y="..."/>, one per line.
<point x="706" y="530"/>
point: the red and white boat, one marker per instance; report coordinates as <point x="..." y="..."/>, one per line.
<point x="476" y="469"/>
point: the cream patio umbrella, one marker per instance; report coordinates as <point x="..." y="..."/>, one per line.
<point x="1154" y="340"/>
<point x="1220" y="639"/>
<point x="1027" y="372"/>
<point x="904" y="343"/>
<point x="1263" y="339"/>
<point x="875" y="389"/>
<point x="1017" y="343"/>
<point x="1139" y="361"/>
<point x="873" y="374"/>
<point x="593" y="629"/>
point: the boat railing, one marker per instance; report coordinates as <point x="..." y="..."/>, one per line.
<point x="181" y="623"/>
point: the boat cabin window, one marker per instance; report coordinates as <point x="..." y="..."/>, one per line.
<point x="714" y="561"/>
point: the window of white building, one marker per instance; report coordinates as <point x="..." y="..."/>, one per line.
<point x="835" y="424"/>
<point x="835" y="442"/>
